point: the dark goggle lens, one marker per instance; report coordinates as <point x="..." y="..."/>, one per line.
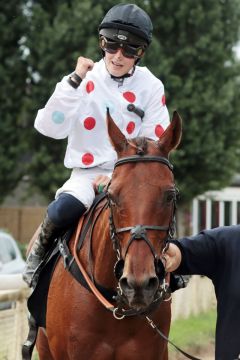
<point x="127" y="50"/>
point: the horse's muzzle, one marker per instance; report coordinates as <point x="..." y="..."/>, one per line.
<point x="139" y="294"/>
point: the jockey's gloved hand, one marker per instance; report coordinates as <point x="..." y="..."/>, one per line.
<point x="100" y="183"/>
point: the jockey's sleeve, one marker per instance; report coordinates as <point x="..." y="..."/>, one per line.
<point x="199" y="254"/>
<point x="58" y="116"/>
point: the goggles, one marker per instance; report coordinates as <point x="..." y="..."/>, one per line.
<point x="128" y="51"/>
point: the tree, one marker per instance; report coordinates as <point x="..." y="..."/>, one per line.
<point x="13" y="73"/>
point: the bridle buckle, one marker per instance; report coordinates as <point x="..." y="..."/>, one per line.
<point x="138" y="232"/>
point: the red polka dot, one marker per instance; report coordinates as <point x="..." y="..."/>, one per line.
<point x="89" y="123"/>
<point x="129" y="96"/>
<point x="164" y="100"/>
<point x="130" y="127"/>
<point x="90" y="86"/>
<point x="159" y="130"/>
<point x="87" y="159"/>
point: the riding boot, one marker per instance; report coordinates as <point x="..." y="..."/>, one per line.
<point x="39" y="249"/>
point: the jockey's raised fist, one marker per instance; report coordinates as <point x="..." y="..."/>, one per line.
<point x="83" y="66"/>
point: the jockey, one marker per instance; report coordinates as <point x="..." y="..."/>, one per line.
<point x="77" y="111"/>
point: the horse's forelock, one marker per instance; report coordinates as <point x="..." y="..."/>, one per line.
<point x="141" y="144"/>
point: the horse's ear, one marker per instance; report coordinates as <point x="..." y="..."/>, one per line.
<point x="171" y="137"/>
<point x="117" y="138"/>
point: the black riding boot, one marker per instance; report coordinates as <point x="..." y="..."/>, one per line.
<point x="62" y="213"/>
<point x="39" y="249"/>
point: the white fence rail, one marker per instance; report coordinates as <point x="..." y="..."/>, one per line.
<point x="13" y="316"/>
<point x="196" y="298"/>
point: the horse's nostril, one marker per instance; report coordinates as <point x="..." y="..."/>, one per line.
<point x="125" y="285"/>
<point x="152" y="283"/>
<point x="149" y="284"/>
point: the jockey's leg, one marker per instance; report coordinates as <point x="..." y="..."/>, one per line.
<point x="62" y="213"/>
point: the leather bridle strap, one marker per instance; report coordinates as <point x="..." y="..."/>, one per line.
<point x="91" y="285"/>
<point x="143" y="227"/>
<point x="139" y="232"/>
<point x="152" y="324"/>
<point x="144" y="158"/>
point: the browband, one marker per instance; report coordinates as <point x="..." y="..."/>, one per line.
<point x="145" y="158"/>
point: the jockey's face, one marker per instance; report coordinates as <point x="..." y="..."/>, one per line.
<point x="117" y="64"/>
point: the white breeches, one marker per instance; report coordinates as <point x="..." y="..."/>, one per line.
<point x="80" y="184"/>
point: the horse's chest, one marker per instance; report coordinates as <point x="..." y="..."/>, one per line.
<point x="100" y="336"/>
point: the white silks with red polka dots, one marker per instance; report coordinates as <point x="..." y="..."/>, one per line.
<point x="80" y="115"/>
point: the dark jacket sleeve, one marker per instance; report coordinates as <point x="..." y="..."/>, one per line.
<point x="200" y="253"/>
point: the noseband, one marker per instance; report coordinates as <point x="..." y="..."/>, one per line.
<point x="139" y="232"/>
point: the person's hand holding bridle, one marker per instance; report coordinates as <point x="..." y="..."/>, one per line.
<point x="172" y="257"/>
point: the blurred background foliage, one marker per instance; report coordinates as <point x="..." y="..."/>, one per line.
<point x="192" y="52"/>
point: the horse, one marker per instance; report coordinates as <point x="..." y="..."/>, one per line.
<point x="124" y="252"/>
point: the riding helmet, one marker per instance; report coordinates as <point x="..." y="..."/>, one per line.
<point x="127" y="22"/>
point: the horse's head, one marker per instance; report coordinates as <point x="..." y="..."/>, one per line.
<point x="142" y="198"/>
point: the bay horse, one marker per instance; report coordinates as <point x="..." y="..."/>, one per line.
<point x="138" y="219"/>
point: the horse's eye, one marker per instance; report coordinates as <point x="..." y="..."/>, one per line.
<point x="170" y="196"/>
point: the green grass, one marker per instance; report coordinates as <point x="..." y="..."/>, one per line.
<point x="194" y="332"/>
<point x="35" y="356"/>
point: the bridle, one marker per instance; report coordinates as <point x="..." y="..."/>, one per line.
<point x="140" y="232"/>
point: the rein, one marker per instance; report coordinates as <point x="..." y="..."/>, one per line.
<point x="91" y="285"/>
<point x="154" y="326"/>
